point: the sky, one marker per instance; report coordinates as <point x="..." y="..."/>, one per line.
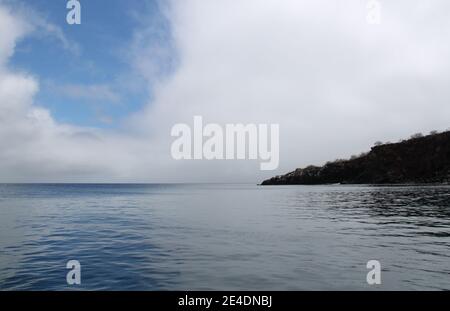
<point x="96" y="102"/>
<point x="86" y="70"/>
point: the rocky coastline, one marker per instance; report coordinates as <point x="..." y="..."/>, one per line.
<point x="418" y="160"/>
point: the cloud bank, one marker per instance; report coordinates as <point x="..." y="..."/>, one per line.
<point x="333" y="82"/>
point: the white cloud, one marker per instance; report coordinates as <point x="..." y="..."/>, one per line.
<point x="43" y="27"/>
<point x="12" y="30"/>
<point x="334" y="83"/>
<point x="37" y="24"/>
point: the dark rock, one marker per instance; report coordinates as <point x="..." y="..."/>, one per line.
<point x="417" y="160"/>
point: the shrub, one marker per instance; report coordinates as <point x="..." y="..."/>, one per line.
<point x="417" y="135"/>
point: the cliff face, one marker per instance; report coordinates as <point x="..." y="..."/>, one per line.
<point x="418" y="160"/>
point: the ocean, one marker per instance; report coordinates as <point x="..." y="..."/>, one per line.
<point x="224" y="236"/>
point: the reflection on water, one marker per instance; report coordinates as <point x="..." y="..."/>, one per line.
<point x="239" y="237"/>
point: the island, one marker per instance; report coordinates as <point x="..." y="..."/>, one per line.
<point x="418" y="160"/>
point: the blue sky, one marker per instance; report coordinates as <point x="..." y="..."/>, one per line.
<point x="98" y="60"/>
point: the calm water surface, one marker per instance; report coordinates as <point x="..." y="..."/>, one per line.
<point x="220" y="237"/>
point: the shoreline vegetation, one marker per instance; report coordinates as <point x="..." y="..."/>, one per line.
<point x="417" y="160"/>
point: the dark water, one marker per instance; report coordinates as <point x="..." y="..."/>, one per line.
<point x="220" y="237"/>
